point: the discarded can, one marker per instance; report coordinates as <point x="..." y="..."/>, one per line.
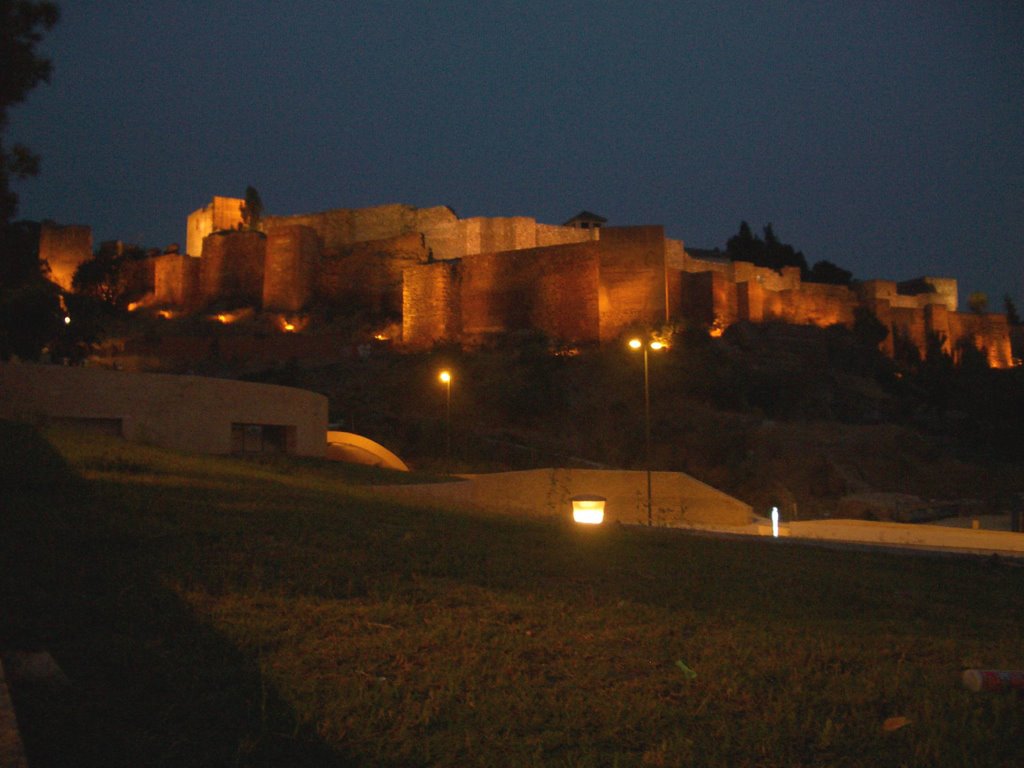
<point x="994" y="679"/>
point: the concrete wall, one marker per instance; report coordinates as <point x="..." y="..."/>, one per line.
<point x="188" y="413"/>
<point x="676" y="499"/>
<point x="64" y="248"/>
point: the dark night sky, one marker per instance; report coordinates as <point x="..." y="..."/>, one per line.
<point x="885" y="137"/>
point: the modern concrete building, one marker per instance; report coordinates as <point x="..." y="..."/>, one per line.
<point x="188" y="413"/>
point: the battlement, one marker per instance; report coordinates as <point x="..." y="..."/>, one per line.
<point x="466" y="280"/>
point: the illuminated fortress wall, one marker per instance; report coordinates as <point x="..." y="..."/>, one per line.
<point x="291" y="260"/>
<point x="431" y="304"/>
<point x="176" y="281"/>
<point x="231" y="268"/>
<point x="342" y="227"/>
<point x="369" y="274"/>
<point x="221" y="214"/>
<point x="466" y="280"/>
<point x="552" y="290"/>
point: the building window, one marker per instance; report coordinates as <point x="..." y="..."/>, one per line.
<point x="262" y="438"/>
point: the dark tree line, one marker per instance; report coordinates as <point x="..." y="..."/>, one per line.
<point x="769" y="251"/>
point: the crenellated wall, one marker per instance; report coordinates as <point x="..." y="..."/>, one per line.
<point x="468" y="279"/>
<point x="342" y="227"/>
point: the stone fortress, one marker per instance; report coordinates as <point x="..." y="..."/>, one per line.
<point x="469" y="280"/>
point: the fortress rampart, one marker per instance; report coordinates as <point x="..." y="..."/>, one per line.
<point x="466" y="280"/>
<point x="221" y="214"/>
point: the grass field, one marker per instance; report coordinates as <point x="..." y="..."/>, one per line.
<point x="218" y="611"/>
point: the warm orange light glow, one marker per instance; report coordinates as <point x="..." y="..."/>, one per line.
<point x="654" y="344"/>
<point x="445" y="377"/>
<point x="588" y="510"/>
<point x="222" y="318"/>
<point x="291" y="324"/>
<point x="166" y="314"/>
<point x="134" y="305"/>
<point x="380" y="336"/>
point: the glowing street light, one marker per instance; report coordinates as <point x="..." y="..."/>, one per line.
<point x="637" y="344"/>
<point x="445" y="378"/>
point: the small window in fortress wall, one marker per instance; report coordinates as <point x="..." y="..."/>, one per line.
<point x="262" y="438"/>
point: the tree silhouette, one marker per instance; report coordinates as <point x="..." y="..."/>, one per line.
<point x="827" y="272"/>
<point x="252" y="209"/>
<point x="1011" y="310"/>
<point x="769" y="252"/>
<point x="22" y="24"/>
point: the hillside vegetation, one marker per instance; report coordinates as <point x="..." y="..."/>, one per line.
<point x="777" y="415"/>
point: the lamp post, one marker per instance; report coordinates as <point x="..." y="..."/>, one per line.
<point x="655" y="345"/>
<point x="446" y="378"/>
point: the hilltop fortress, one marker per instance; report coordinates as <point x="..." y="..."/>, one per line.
<point x="470" y="280"/>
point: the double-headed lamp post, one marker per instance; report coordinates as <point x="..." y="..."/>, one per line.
<point x="636" y="344"/>
<point x="446" y="378"/>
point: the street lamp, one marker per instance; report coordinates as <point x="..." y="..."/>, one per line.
<point x="446" y="378"/>
<point x="655" y="345"/>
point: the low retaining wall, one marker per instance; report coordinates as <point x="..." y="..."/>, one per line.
<point x="677" y="499"/>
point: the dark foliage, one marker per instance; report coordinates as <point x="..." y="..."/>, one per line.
<point x="827" y="272"/>
<point x="768" y="252"/>
<point x="105" y="277"/>
<point x="1011" y="310"/>
<point x="22" y="24"/>
<point x="252" y="209"/>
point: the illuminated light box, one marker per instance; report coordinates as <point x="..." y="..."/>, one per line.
<point x="588" y="509"/>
